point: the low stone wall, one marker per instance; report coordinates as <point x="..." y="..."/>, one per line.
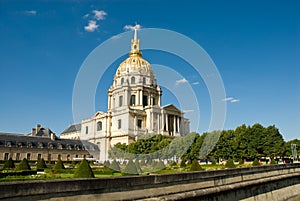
<point x="228" y="184"/>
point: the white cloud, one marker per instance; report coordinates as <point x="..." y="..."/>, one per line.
<point x="187" y="111"/>
<point x="181" y="81"/>
<point x="86" y="16"/>
<point x="99" y="14"/>
<point x="130" y="27"/>
<point x="31" y="12"/>
<point x="115" y="37"/>
<point x="195" y="83"/>
<point x="231" y="99"/>
<point x="92" y="26"/>
<point x="234" y="100"/>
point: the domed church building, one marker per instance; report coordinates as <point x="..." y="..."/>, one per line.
<point x="134" y="108"/>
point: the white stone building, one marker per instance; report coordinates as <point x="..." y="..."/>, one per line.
<point x="134" y="108"/>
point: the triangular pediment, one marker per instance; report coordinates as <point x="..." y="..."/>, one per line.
<point x="171" y="107"/>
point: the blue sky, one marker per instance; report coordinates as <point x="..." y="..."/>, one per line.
<point x="254" y="44"/>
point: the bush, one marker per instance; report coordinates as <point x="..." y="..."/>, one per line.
<point x="214" y="162"/>
<point x="160" y="165"/>
<point x="59" y="165"/>
<point x="84" y="170"/>
<point x="143" y="163"/>
<point x="131" y="168"/>
<point x="255" y="162"/>
<point x="195" y="166"/>
<point x="23" y="165"/>
<point x="230" y="164"/>
<point x="182" y="163"/>
<point x="137" y="165"/>
<point x="273" y="161"/>
<point x="9" y="164"/>
<point x="115" y="166"/>
<point x="41" y="164"/>
<point x="241" y="162"/>
<point x="106" y="163"/>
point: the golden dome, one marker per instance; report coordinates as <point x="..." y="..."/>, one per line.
<point x="135" y="65"/>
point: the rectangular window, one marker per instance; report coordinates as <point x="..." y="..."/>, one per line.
<point x="153" y="101"/>
<point x="17" y="156"/>
<point x="86" y="130"/>
<point x="6" y="156"/>
<point x="132" y="100"/>
<point x="99" y="126"/>
<point x="119" y="124"/>
<point x="28" y="156"/>
<point x="139" y="123"/>
<point x="145" y="101"/>
<point x="120" y="101"/>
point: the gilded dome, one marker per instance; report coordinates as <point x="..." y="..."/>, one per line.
<point x="135" y="66"/>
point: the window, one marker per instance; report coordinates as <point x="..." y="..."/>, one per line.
<point x="145" y="101"/>
<point x="99" y="126"/>
<point x="39" y="156"/>
<point x="28" y="156"/>
<point x="139" y="123"/>
<point x="144" y="80"/>
<point x="132" y="100"/>
<point x="153" y="101"/>
<point x="119" y="123"/>
<point x="132" y="80"/>
<point x="6" y="155"/>
<point x="17" y="156"/>
<point x="122" y="80"/>
<point x="59" y="157"/>
<point x="120" y="101"/>
<point x="86" y="130"/>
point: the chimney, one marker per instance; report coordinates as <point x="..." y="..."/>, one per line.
<point x="38" y="127"/>
<point x="33" y="131"/>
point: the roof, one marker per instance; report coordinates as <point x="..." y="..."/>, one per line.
<point x="72" y="128"/>
<point x="20" y="140"/>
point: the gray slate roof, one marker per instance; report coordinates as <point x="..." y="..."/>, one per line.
<point x="72" y="128"/>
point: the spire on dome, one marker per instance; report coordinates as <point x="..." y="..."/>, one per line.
<point x="135" y="43"/>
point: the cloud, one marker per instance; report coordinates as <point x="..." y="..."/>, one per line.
<point x="195" y="83"/>
<point x="86" y="16"/>
<point x="130" y="27"/>
<point x="181" y="81"/>
<point x="231" y="99"/>
<point x="115" y="37"/>
<point x="30" y="12"/>
<point x="99" y="14"/>
<point x="92" y="26"/>
<point x="187" y="111"/>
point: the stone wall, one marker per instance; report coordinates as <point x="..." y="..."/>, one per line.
<point x="274" y="182"/>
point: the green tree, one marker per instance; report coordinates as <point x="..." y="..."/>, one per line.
<point x="9" y="164"/>
<point x="59" y="165"/>
<point x="160" y="165"/>
<point x="84" y="170"/>
<point x="230" y="163"/>
<point x="115" y="166"/>
<point x="41" y="164"/>
<point x="137" y="165"/>
<point x="273" y="161"/>
<point x="195" y="166"/>
<point x="131" y="168"/>
<point x="23" y="165"/>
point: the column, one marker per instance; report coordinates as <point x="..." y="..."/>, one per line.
<point x="178" y="122"/>
<point x="141" y="97"/>
<point x="163" y="122"/>
<point x="152" y="122"/>
<point x="174" y="125"/>
<point x="167" y="122"/>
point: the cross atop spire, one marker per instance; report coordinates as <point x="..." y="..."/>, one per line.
<point x="135" y="43"/>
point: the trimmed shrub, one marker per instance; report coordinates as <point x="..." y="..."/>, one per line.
<point x="214" y="162"/>
<point x="9" y="164"/>
<point x="182" y="163"/>
<point x="115" y="166"/>
<point x="137" y="165"/>
<point x="124" y="162"/>
<point x="143" y="163"/>
<point x="84" y="170"/>
<point x="160" y="165"/>
<point x="230" y="163"/>
<point x="59" y="165"/>
<point x="23" y="165"/>
<point x="241" y="162"/>
<point x="106" y="163"/>
<point x="256" y="162"/>
<point x="130" y="168"/>
<point x="41" y="164"/>
<point x="195" y="166"/>
<point x="273" y="162"/>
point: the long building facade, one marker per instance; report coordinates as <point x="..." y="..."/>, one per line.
<point x="134" y="108"/>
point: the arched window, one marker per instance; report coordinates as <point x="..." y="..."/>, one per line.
<point x="122" y="80"/>
<point x="132" y="80"/>
<point x="120" y="101"/>
<point x="99" y="126"/>
<point x="132" y="100"/>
